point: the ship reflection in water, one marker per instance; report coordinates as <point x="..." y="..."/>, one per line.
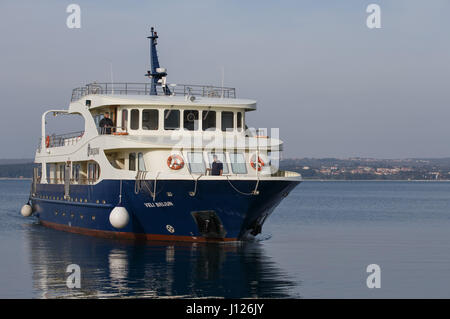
<point x="111" y="269"/>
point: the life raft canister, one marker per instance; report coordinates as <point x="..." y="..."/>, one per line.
<point x="175" y="162"/>
<point x="257" y="164"/>
<point x="47" y="141"/>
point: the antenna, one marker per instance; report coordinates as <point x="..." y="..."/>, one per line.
<point x="156" y="74"/>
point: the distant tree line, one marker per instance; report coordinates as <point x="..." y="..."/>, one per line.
<point x="24" y="170"/>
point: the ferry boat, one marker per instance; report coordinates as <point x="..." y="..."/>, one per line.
<point x="149" y="173"/>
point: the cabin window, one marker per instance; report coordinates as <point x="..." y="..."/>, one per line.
<point x="227" y="121"/>
<point x="93" y="172"/>
<point x="171" y="119"/>
<point x="76" y="172"/>
<point x="150" y="120"/>
<point x="196" y="162"/>
<point x="239" y="121"/>
<point x="190" y="118"/>
<point x="134" y="119"/>
<point x="221" y="158"/>
<point x="132" y="162"/>
<point x="61" y="173"/>
<point x="124" y="120"/>
<point x="141" y="162"/>
<point x="237" y="161"/>
<point x="209" y="120"/>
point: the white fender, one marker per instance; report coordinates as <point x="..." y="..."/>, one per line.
<point x="26" y="210"/>
<point x="119" y="217"/>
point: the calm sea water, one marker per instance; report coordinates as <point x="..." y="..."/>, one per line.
<point x="317" y="244"/>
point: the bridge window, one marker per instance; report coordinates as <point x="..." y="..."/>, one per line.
<point x="124" y="120"/>
<point x="239" y="121"/>
<point x="196" y="162"/>
<point x="238" y="163"/>
<point x="227" y="121"/>
<point x="150" y="120"/>
<point x="171" y="119"/>
<point x="209" y="120"/>
<point x="190" y="120"/>
<point x="134" y="119"/>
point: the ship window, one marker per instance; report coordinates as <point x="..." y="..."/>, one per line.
<point x="132" y="162"/>
<point x="209" y="120"/>
<point x="227" y="121"/>
<point x="141" y="162"/>
<point x="93" y="172"/>
<point x="237" y="161"/>
<point x="190" y="120"/>
<point x="61" y="173"/>
<point x="171" y="119"/>
<point x="134" y="119"/>
<point x="239" y="121"/>
<point x="220" y="157"/>
<point x="150" y="120"/>
<point x="196" y="163"/>
<point x="76" y="172"/>
<point x="124" y="120"/>
<point x="52" y="174"/>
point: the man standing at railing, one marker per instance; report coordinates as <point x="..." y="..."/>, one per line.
<point x="106" y="124"/>
<point x="216" y="166"/>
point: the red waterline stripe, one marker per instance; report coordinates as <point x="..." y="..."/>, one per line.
<point x="133" y="236"/>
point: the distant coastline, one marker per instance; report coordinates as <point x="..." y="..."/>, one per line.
<point x="313" y="169"/>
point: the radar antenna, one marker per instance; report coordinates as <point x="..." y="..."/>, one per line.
<point x="156" y="74"/>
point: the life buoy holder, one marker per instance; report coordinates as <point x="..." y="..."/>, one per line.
<point x="257" y="164"/>
<point x="47" y="141"/>
<point x="175" y="162"/>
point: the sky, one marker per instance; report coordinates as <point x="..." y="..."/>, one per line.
<point x="333" y="86"/>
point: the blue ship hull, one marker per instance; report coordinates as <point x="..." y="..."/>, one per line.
<point x="175" y="214"/>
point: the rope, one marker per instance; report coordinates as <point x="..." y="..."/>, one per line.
<point x="120" y="194"/>
<point x="254" y="192"/>
<point x="195" y="184"/>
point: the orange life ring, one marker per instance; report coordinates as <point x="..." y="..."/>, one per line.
<point x="47" y="141"/>
<point x="257" y="165"/>
<point x="175" y="162"/>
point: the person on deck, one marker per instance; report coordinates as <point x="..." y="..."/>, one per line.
<point x="106" y="124"/>
<point x="216" y="166"/>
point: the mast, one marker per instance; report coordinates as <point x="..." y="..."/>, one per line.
<point x="156" y="74"/>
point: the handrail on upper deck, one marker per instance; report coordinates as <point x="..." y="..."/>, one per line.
<point x="144" y="89"/>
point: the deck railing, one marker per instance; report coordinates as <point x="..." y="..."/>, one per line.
<point x="144" y="89"/>
<point x="62" y="139"/>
